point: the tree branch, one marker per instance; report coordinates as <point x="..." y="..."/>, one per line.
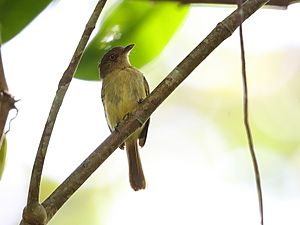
<point x="222" y="31"/>
<point x="34" y="188"/>
<point x="3" y="84"/>
<point x="278" y="3"/>
<point x="7" y="102"/>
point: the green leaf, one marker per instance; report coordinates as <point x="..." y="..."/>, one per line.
<point x="2" y="156"/>
<point x="148" y="25"/>
<point x="16" y="14"/>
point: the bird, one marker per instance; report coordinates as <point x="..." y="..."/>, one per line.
<point x="123" y="88"/>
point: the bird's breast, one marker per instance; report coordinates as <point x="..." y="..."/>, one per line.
<point x="121" y="91"/>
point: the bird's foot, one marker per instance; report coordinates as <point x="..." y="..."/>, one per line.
<point x="140" y="100"/>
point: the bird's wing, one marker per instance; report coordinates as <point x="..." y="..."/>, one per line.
<point x="147" y="89"/>
<point x="143" y="135"/>
<point x="102" y="98"/>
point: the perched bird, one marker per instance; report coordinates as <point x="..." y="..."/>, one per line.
<point x="123" y="88"/>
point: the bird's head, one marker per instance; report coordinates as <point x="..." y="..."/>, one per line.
<point x="115" y="59"/>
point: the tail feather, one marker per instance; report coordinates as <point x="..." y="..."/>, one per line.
<point x="136" y="175"/>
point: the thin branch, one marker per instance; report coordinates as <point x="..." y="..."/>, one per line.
<point x="7" y="102"/>
<point x="277" y="3"/>
<point x="222" y="31"/>
<point x="247" y="124"/>
<point x="3" y="84"/>
<point x="33" y="195"/>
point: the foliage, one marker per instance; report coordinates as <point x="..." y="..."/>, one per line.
<point x="2" y="156"/>
<point x="148" y="25"/>
<point x="16" y="14"/>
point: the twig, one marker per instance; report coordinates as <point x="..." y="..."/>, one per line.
<point x="3" y="84"/>
<point x="33" y="194"/>
<point x="277" y="3"/>
<point x="7" y="102"/>
<point x="247" y="124"/>
<point x="11" y="120"/>
<point x="222" y="31"/>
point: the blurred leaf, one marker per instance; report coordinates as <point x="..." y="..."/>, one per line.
<point x="148" y="25"/>
<point x="273" y="99"/>
<point x="16" y="14"/>
<point x="3" y="155"/>
<point x="86" y="206"/>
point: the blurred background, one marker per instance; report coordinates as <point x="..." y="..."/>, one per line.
<point x="196" y="159"/>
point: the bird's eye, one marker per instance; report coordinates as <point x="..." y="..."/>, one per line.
<point x="112" y="57"/>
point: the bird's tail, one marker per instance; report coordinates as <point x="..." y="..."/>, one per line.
<point x="136" y="175"/>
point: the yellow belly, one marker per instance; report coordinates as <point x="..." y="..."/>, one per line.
<point x="121" y="92"/>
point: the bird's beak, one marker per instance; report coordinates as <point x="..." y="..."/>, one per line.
<point x="128" y="48"/>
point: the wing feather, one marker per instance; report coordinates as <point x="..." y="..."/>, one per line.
<point x="143" y="135"/>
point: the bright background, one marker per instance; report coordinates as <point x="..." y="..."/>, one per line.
<point x="196" y="159"/>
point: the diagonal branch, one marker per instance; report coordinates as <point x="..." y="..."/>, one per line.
<point x="277" y="3"/>
<point x="33" y="195"/>
<point x="222" y="31"/>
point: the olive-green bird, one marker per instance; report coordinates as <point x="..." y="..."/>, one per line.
<point x="123" y="87"/>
